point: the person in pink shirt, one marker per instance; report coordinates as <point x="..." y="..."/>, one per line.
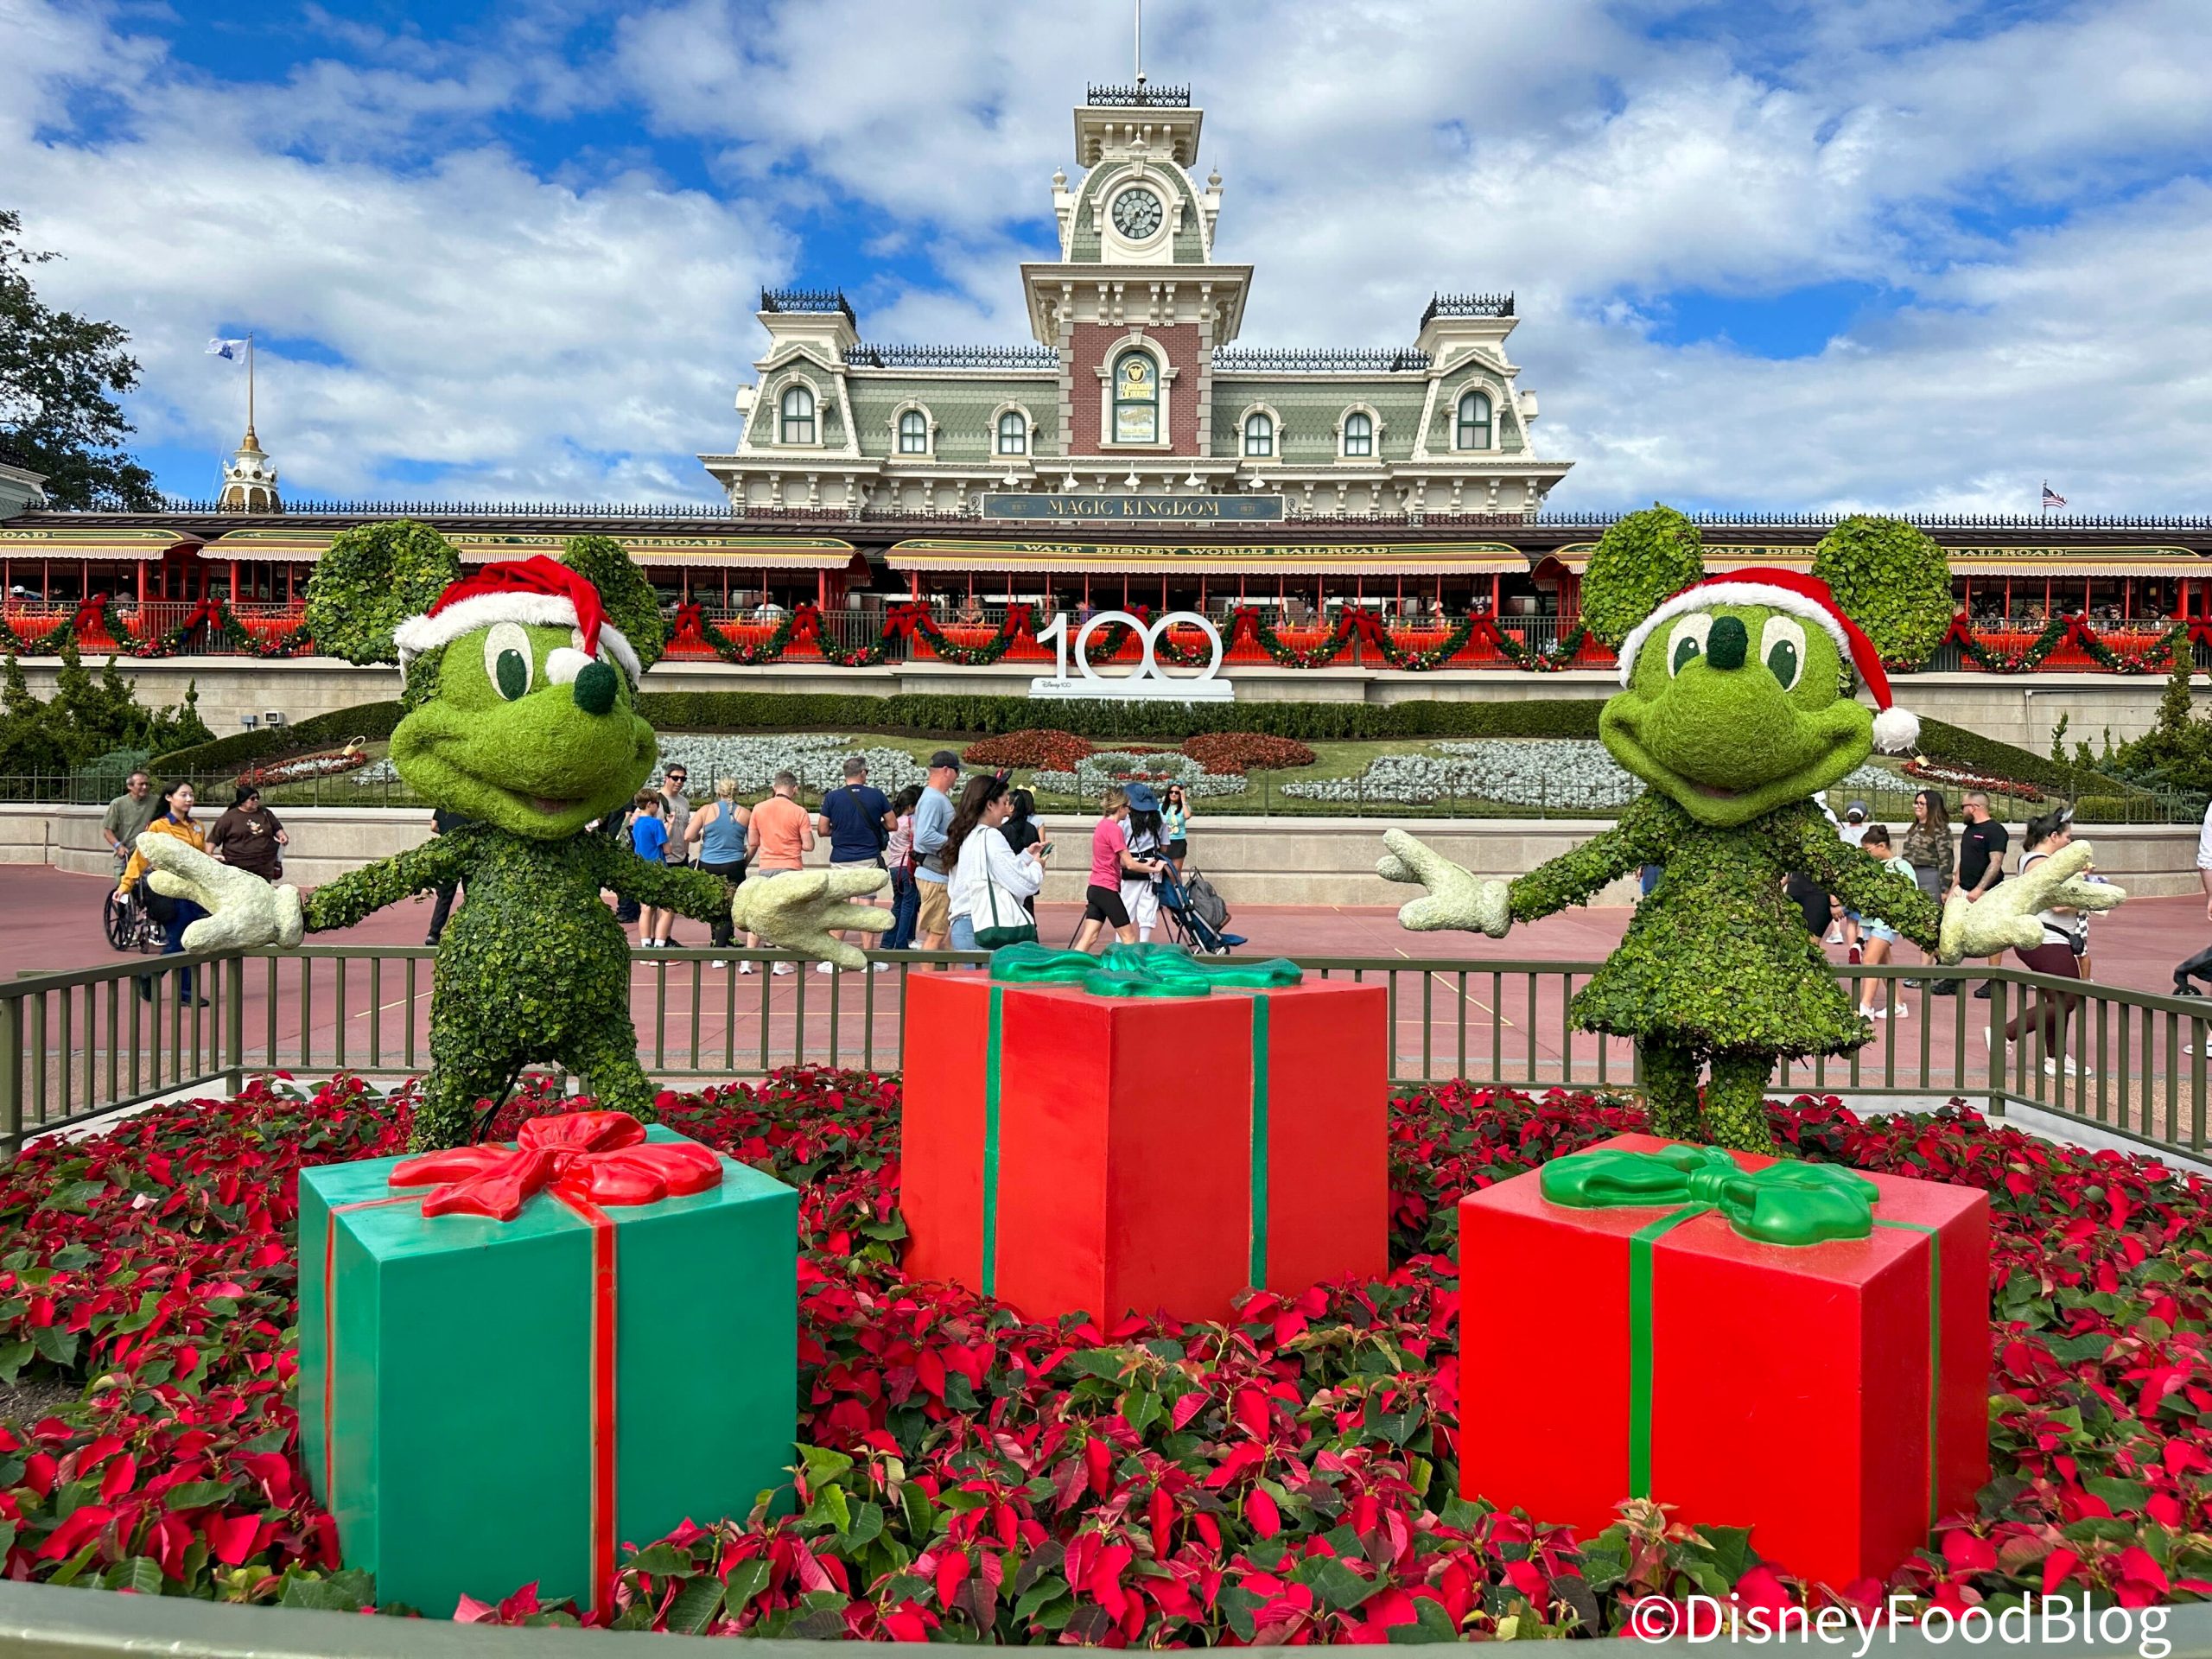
<point x="1109" y="861"/>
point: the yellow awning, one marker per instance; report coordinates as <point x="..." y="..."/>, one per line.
<point x="1210" y="558"/>
<point x="744" y="552"/>
<point x="69" y="542"/>
<point x="1980" y="560"/>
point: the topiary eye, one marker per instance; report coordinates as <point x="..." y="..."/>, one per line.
<point x="1783" y="644"/>
<point x="1688" y="642"/>
<point x="506" y="659"/>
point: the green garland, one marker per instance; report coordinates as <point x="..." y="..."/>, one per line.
<point x="122" y="641"/>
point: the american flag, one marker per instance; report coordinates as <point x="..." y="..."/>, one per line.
<point x="2051" y="497"/>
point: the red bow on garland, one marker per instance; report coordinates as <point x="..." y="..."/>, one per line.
<point x="690" y="620"/>
<point x="207" y="611"/>
<point x="1368" y="627"/>
<point x="601" y="1158"/>
<point x="88" y="617"/>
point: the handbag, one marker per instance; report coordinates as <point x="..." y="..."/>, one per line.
<point x="997" y="936"/>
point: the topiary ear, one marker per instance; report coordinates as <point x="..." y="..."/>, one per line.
<point x="1892" y="581"/>
<point x="631" y="603"/>
<point x="373" y="578"/>
<point x="1644" y="558"/>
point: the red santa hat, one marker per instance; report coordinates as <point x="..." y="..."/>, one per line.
<point x="1896" y="730"/>
<point x="536" y="592"/>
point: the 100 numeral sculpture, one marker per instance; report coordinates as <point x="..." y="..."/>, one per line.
<point x="1735" y="710"/>
<point x="521" y="716"/>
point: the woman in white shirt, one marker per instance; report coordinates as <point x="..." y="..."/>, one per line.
<point x="990" y="880"/>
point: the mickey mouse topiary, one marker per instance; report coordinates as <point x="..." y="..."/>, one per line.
<point x="1734" y="710"/>
<point x="521" y="682"/>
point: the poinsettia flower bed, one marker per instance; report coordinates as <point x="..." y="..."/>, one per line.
<point x="967" y="1474"/>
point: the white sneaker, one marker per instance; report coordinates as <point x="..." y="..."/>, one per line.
<point x="881" y="967"/>
<point x="717" y="964"/>
<point x="825" y="967"/>
<point x="2050" y="1068"/>
<point x="1835" y="936"/>
<point x="782" y="967"/>
<point x="747" y="966"/>
<point x="1901" y="1009"/>
<point x="1873" y="1013"/>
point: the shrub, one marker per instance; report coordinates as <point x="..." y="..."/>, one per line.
<point x="1640" y="561"/>
<point x="1247" y="752"/>
<point x="1038" y="746"/>
<point x="1892" y="579"/>
<point x="231" y="754"/>
<point x="1940" y="741"/>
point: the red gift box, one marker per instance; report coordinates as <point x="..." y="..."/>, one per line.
<point x="1833" y="1396"/>
<point x="1064" y="1150"/>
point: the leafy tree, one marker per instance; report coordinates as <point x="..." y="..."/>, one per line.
<point x="59" y="375"/>
<point x="2176" y="751"/>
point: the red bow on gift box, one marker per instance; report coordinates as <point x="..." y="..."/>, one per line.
<point x="601" y="1158"/>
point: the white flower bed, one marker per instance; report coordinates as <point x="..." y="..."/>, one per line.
<point x="1573" y="773"/>
<point x="817" y="760"/>
<point x="1097" y="771"/>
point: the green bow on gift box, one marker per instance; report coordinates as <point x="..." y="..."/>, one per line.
<point x="1787" y="1203"/>
<point x="1138" y="971"/>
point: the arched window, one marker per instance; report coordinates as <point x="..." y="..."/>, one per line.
<point x="1474" y="421"/>
<point x="1259" y="433"/>
<point x="798" y="416"/>
<point x="1359" y="432"/>
<point x="1136" y="398"/>
<point x="1014" y="433"/>
<point x="914" y="433"/>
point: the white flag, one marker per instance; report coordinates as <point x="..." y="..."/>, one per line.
<point x="229" y="348"/>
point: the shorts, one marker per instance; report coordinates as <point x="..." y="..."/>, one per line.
<point x="1140" y="898"/>
<point x="1874" y="927"/>
<point x="935" y="913"/>
<point x="871" y="862"/>
<point x="1104" y="905"/>
<point x="1179" y="850"/>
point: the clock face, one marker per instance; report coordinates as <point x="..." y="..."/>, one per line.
<point x="1136" y="213"/>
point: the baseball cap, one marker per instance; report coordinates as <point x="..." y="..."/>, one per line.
<point x="945" y="758"/>
<point x="1856" y="810"/>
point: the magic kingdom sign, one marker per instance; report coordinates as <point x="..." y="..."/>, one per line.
<point x="1159" y="509"/>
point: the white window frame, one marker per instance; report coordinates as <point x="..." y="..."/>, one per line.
<point x="999" y="418"/>
<point x="1458" y="423"/>
<point x="1373" y="434"/>
<point x="784" y="418"/>
<point x="1165" y="372"/>
<point x="1274" y="435"/>
<point x="898" y="450"/>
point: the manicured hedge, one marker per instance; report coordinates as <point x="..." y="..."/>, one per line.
<point x="369" y="719"/>
<point x="1942" y="742"/>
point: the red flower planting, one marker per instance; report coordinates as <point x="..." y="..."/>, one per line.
<point x="1246" y="752"/>
<point x="969" y="1475"/>
<point x="1041" y="746"/>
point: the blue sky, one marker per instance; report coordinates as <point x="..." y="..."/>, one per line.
<point x="1906" y="253"/>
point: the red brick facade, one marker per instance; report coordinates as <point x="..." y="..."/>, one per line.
<point x="1091" y="343"/>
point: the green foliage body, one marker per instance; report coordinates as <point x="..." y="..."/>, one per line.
<point x="534" y="967"/>
<point x="1892" y="579"/>
<point x="1640" y="560"/>
<point x="59" y="376"/>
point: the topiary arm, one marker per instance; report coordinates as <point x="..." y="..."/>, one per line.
<point x="1640" y="837"/>
<point x="1864" y="882"/>
<point x="695" y="893"/>
<point x="358" y="892"/>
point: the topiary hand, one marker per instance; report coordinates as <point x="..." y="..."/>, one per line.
<point x="799" y="912"/>
<point x="242" y="910"/>
<point x="1455" y="899"/>
<point x="2005" y="917"/>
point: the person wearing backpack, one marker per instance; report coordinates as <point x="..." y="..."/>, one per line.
<point x="898" y="853"/>
<point x="858" y="821"/>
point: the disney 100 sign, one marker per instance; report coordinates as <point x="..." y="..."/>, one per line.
<point x="1149" y="678"/>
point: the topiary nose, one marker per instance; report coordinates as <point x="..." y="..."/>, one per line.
<point x="1724" y="647"/>
<point x="596" y="685"/>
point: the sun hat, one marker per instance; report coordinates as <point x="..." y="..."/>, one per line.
<point x="1141" y="799"/>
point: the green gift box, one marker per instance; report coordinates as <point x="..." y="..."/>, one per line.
<point x="487" y="1403"/>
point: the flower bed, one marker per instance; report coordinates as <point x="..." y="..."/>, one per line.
<point x="329" y="763"/>
<point x="1038" y="747"/>
<point x="1247" y="752"/>
<point x="1158" y="767"/>
<point x="1575" y="773"/>
<point x="1957" y="776"/>
<point x="1287" y="1478"/>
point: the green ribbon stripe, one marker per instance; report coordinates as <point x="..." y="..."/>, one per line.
<point x="1131" y="970"/>
<point x="1791" y="1204"/>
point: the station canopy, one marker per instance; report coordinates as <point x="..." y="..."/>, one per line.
<point x="68" y="541"/>
<point x="2028" y="564"/>
<point x="305" y="546"/>
<point x="1209" y="558"/>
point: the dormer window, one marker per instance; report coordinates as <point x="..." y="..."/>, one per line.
<point x="1359" y="435"/>
<point x="1014" y="433"/>
<point x="914" y="433"/>
<point x="1474" y="426"/>
<point x="1259" y="433"/>
<point x="1136" y="398"/>
<point x="797" y="417"/>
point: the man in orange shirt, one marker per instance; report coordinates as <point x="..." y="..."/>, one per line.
<point x="777" y="840"/>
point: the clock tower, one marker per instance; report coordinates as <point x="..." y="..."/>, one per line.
<point x="1135" y="305"/>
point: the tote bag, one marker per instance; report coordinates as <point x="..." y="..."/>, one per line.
<point x="998" y="935"/>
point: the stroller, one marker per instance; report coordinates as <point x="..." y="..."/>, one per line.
<point x="1195" y="916"/>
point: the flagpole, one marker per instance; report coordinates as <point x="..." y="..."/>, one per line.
<point x="248" y="379"/>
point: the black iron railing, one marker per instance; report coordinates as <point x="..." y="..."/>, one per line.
<point x="1321" y="360"/>
<point x="954" y="357"/>
<point x="808" y="299"/>
<point x="1099" y="95"/>
<point x="1467" y="305"/>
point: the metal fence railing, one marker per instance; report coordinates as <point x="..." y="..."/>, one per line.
<point x="74" y="1045"/>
